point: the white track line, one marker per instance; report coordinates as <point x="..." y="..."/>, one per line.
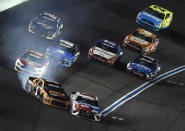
<point x="140" y="89"/>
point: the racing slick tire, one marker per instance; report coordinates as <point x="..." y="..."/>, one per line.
<point x="41" y="97"/>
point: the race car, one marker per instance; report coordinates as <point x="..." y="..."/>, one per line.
<point x="48" y="92"/>
<point x="142" y="40"/>
<point x="64" y="53"/>
<point x="32" y="63"/>
<point x="144" y="66"/>
<point x="106" y="52"/>
<point x="85" y="105"/>
<point x="155" y="17"/>
<point x="46" y="25"/>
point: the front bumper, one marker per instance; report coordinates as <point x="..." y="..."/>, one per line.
<point x="100" y="59"/>
<point x="87" y="115"/>
<point x="133" y="45"/>
<point x="28" y="71"/>
<point x="153" y="27"/>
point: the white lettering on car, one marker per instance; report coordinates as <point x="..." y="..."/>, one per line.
<point x="136" y="39"/>
<point x="154" y="17"/>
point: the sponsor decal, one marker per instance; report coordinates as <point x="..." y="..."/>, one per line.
<point x="151" y="16"/>
<point x="103" y="53"/>
<point x="138" y="40"/>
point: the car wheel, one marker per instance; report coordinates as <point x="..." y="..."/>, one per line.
<point x="41" y="97"/>
<point x="124" y="45"/>
<point x="144" y="53"/>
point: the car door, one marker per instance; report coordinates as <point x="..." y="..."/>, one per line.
<point x="77" y="53"/>
<point x="167" y="20"/>
<point x="155" y="43"/>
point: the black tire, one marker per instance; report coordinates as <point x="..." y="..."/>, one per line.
<point x="41" y="97"/>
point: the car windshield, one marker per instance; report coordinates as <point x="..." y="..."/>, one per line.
<point x="46" y="22"/>
<point x="146" y="62"/>
<point x="106" y="47"/>
<point x="33" y="58"/>
<point x="155" y="13"/>
<point x="64" y="47"/>
<point x="142" y="36"/>
<point x="53" y="88"/>
<point x="83" y="100"/>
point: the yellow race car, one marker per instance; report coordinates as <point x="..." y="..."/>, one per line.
<point x="48" y="92"/>
<point x="155" y="17"/>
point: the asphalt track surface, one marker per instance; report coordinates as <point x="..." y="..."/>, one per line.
<point x="159" y="108"/>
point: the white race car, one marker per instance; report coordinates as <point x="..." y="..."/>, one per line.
<point x="32" y="63"/>
<point x="86" y="106"/>
<point x="46" y="25"/>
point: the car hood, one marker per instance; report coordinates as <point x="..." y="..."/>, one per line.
<point x="30" y="63"/>
<point x="87" y="107"/>
<point x="103" y="53"/>
<point x="60" y="53"/>
<point x="141" y="68"/>
<point x="138" y="40"/>
<point x="150" y="17"/>
<point x="43" y="27"/>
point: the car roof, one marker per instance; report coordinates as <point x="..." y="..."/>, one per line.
<point x="160" y="9"/>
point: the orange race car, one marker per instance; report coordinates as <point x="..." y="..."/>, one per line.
<point x="48" y="92"/>
<point x="142" y="40"/>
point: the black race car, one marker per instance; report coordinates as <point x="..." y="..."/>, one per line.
<point x="48" y="92"/>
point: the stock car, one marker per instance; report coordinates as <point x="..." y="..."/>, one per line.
<point x="32" y="63"/>
<point x="64" y="53"/>
<point x="86" y="106"/>
<point x="46" y="25"/>
<point x="155" y="17"/>
<point x="48" y="92"/>
<point x="144" y="66"/>
<point x="106" y="52"/>
<point x="142" y="40"/>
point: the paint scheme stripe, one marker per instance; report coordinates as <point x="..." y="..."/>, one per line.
<point x="140" y="89"/>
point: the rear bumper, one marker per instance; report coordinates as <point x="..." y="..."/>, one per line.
<point x="134" y="46"/>
<point x="147" y="25"/>
<point x="58" y="61"/>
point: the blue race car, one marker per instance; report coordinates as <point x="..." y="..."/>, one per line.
<point x="155" y="17"/>
<point x="144" y="66"/>
<point x="46" y="25"/>
<point x="64" y="53"/>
